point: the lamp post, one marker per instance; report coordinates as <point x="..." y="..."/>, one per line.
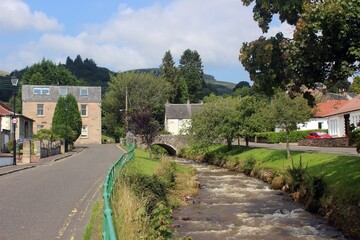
<point x="14" y="82"/>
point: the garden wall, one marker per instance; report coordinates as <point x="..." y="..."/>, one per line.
<point x="325" y="142"/>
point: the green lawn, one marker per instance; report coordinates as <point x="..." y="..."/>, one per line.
<point x="341" y="173"/>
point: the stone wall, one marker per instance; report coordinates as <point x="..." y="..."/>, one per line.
<point x="325" y="142"/>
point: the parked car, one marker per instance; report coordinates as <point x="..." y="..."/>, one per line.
<point x="315" y="135"/>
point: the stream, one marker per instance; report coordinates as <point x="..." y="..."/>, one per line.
<point x="231" y="205"/>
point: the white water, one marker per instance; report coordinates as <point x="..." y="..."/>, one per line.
<point x="234" y="206"/>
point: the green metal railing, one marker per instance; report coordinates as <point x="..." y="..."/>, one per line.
<point x="110" y="180"/>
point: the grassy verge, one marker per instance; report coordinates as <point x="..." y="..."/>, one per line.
<point x="334" y="179"/>
<point x="94" y="228"/>
<point x="145" y="195"/>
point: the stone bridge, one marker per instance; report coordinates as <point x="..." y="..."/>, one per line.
<point x="172" y="143"/>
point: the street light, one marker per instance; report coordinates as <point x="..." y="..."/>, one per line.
<point x="14" y="82"/>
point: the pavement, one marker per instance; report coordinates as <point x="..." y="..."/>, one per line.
<point x="43" y="161"/>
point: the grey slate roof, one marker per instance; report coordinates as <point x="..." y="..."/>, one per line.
<point x="181" y="111"/>
<point x="28" y="95"/>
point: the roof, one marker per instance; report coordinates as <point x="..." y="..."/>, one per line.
<point x="93" y="96"/>
<point x="181" y="111"/>
<point x="4" y="109"/>
<point x="350" y="106"/>
<point x="323" y="109"/>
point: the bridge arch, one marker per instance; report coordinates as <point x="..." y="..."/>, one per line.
<point x="172" y="151"/>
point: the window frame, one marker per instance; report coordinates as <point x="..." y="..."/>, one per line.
<point x="63" y="89"/>
<point x="38" y="109"/>
<point x="82" y="93"/>
<point x="86" y="110"/>
<point x="41" y="91"/>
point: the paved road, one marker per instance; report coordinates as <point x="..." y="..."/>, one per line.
<point x="54" y="201"/>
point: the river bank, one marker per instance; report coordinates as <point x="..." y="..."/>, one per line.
<point x="328" y="184"/>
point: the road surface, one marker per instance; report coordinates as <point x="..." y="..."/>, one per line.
<point x="54" y="201"/>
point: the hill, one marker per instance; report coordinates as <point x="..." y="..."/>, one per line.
<point x="3" y="73"/>
<point x="218" y="87"/>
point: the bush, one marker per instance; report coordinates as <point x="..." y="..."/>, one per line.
<point x="248" y="165"/>
<point x="150" y="188"/>
<point x="298" y="175"/>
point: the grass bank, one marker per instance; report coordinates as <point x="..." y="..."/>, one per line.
<point x="144" y="197"/>
<point x="328" y="184"/>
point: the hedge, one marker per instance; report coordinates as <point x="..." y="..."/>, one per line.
<point x="294" y="136"/>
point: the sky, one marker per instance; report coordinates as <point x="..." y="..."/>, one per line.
<point x="123" y="35"/>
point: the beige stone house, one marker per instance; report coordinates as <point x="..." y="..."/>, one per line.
<point x="39" y="101"/>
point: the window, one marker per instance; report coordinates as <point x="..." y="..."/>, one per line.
<point x="320" y="125"/>
<point x="41" y="91"/>
<point x="63" y="91"/>
<point x="84" y="92"/>
<point x="83" y="110"/>
<point x="39" y="127"/>
<point x="84" y="131"/>
<point x="40" y="110"/>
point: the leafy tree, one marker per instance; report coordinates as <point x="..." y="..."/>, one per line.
<point x="67" y="121"/>
<point x="251" y="117"/>
<point x="325" y="45"/>
<point x="265" y="61"/>
<point x="142" y="123"/>
<point x="286" y="113"/>
<point x="88" y="72"/>
<point x="289" y="11"/>
<point x="191" y="70"/>
<point x="218" y="120"/>
<point x="47" y="73"/>
<point x="355" y="86"/>
<point x="143" y="88"/>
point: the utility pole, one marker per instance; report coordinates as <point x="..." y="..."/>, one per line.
<point x="126" y="115"/>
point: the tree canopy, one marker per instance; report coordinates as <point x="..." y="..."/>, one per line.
<point x="324" y="47"/>
<point x="143" y="89"/>
<point x="66" y="121"/>
<point x="47" y="73"/>
<point x="286" y="113"/>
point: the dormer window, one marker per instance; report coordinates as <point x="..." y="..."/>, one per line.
<point x="63" y="91"/>
<point x="84" y="92"/>
<point x="41" y="91"/>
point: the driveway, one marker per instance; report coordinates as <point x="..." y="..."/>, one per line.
<point x="54" y="201"/>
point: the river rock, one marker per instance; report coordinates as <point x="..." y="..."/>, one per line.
<point x="277" y="182"/>
<point x="295" y="196"/>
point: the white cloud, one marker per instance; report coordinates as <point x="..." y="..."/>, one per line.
<point x="15" y="15"/>
<point x="139" y="38"/>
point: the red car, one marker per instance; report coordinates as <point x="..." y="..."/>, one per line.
<point x="315" y="135"/>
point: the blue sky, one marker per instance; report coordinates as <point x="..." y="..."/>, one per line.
<point x="124" y="35"/>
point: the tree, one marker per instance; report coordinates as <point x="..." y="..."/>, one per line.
<point x="170" y="74"/>
<point x="325" y="45"/>
<point x="191" y="70"/>
<point x="251" y="117"/>
<point x="218" y="120"/>
<point x="142" y="123"/>
<point x="67" y="121"/>
<point x="265" y="61"/>
<point x="47" y="73"/>
<point x="355" y="86"/>
<point x="241" y="84"/>
<point x="143" y="88"/>
<point x="286" y="113"/>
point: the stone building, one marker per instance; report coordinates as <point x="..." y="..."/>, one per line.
<point x="39" y="101"/>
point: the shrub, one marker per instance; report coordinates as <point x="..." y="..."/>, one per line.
<point x="150" y="188"/>
<point x="276" y="137"/>
<point x="248" y="165"/>
<point x="298" y="175"/>
<point x="167" y="173"/>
